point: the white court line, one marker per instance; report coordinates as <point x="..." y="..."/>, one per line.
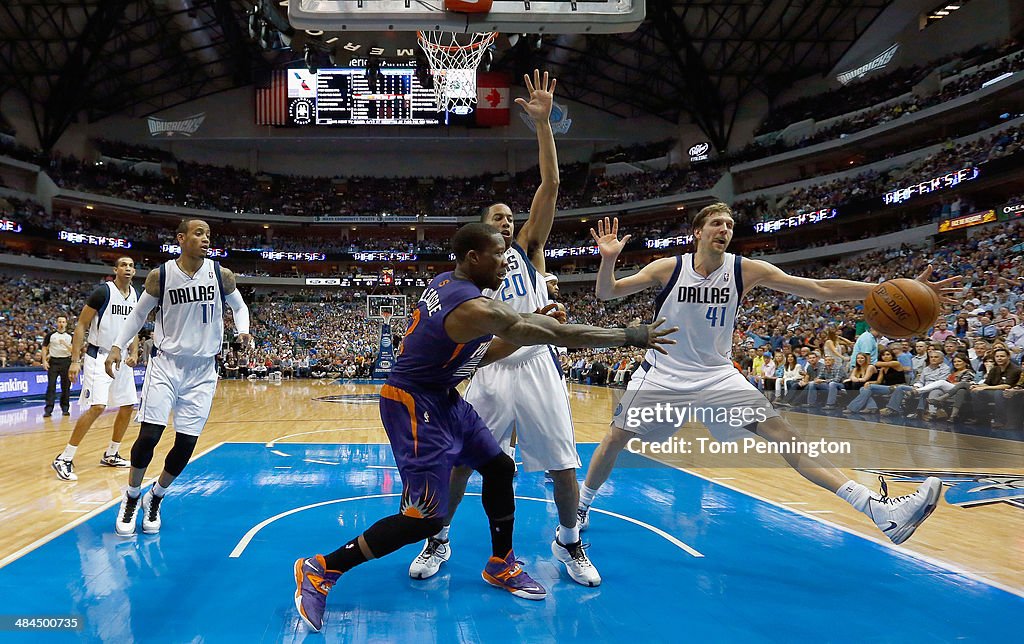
<point x="885" y="543"/>
<point x="316" y="460"/>
<point x="279" y="452"/>
<point x="82" y="519"/>
<point x="382" y="467"/>
<point x="282" y="467"/>
<point x="243" y="543"/>
<point x="321" y="431"/>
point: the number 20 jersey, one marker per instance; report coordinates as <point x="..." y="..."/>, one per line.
<point x="524" y="290"/>
<point x="704" y="309"/>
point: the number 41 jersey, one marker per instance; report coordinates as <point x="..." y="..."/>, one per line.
<point x="704" y="309"/>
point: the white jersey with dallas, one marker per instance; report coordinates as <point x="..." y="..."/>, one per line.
<point x="111" y="314"/>
<point x="190" y="317"/>
<point x="524" y="290"/>
<point x="704" y="309"/>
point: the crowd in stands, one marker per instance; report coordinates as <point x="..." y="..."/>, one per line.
<point x="878" y="88"/>
<point x="828" y="194"/>
<point x="871" y="183"/>
<point x="132" y="151"/>
<point x="635" y="152"/>
<point x="29" y="309"/>
<point x="770" y="327"/>
<point x="325" y="333"/>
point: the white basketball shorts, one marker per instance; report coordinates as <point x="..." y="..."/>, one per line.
<point x="722" y="399"/>
<point x="100" y="389"/>
<point x="183" y="385"/>
<point x="529" y="397"/>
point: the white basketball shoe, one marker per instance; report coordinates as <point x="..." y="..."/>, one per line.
<point x="576" y="561"/>
<point x="435" y="552"/>
<point x="898" y="517"/>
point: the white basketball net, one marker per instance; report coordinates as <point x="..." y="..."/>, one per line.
<point x="454" y="58"/>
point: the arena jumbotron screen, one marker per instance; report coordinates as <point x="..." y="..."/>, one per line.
<point x="345" y="96"/>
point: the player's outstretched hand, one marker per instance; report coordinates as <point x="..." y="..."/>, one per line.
<point x="113" y="361"/>
<point x="542" y="93"/>
<point x="607" y="238"/>
<point x="945" y="289"/>
<point x="650" y="336"/>
<point x="554" y="310"/>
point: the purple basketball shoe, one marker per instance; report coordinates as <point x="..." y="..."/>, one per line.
<point x="312" y="583"/>
<point x="508" y="573"/>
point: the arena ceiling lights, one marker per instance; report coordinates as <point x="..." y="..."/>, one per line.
<point x="943" y="10"/>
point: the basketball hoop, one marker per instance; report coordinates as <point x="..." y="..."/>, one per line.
<point x="386" y="317"/>
<point x="454" y="58"/>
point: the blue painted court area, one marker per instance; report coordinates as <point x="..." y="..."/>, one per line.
<point x="766" y="574"/>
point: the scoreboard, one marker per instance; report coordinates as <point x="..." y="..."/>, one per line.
<point x="346" y="96"/>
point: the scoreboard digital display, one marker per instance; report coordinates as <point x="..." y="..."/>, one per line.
<point x="346" y="96"/>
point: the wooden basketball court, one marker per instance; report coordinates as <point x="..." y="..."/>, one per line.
<point x="978" y="544"/>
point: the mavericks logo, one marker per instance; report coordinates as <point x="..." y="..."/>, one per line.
<point x="184" y="127"/>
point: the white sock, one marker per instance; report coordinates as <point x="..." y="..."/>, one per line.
<point x="133" y="492"/>
<point x="568" y="535"/>
<point x="159" y="490"/>
<point x="442" y="534"/>
<point x="586" y="495"/>
<point x="112" y="448"/>
<point x="68" y="453"/>
<point x="856" y="495"/>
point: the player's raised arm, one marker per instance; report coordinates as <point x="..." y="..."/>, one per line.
<point x="533" y="236"/>
<point x="657" y="273"/>
<point x="148" y="301"/>
<point x="483" y="316"/>
<point x="760" y="273"/>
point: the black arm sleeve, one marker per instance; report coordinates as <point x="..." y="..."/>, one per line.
<point x="46" y="340"/>
<point x="99" y="297"/>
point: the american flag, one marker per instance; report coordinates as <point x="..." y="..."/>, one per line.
<point x="272" y="102"/>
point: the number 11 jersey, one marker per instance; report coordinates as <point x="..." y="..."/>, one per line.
<point x="190" y="317"/>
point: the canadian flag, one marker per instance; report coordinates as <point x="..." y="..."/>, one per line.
<point x="492" y="99"/>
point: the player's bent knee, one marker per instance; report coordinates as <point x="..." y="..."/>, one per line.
<point x="774" y="429"/>
<point x="180" y="453"/>
<point x="500" y="467"/>
<point x="618" y="437"/>
<point x="142" y="449"/>
<point x="391" y="533"/>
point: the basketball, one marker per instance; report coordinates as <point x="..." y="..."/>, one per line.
<point x="901" y="308"/>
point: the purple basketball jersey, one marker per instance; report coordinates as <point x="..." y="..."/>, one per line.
<point x="429" y="358"/>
